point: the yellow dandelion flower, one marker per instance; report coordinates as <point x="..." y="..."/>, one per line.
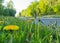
<point x="11" y="27"/>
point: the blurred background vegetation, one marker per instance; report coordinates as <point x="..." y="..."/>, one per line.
<point x="35" y="9"/>
<point x="41" y="8"/>
<point x="7" y="11"/>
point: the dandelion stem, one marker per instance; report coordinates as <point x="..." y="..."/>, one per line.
<point x="11" y="39"/>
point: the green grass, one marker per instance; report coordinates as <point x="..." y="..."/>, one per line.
<point x="28" y="32"/>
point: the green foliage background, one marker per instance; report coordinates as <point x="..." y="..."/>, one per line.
<point x="42" y="7"/>
<point x="7" y="10"/>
